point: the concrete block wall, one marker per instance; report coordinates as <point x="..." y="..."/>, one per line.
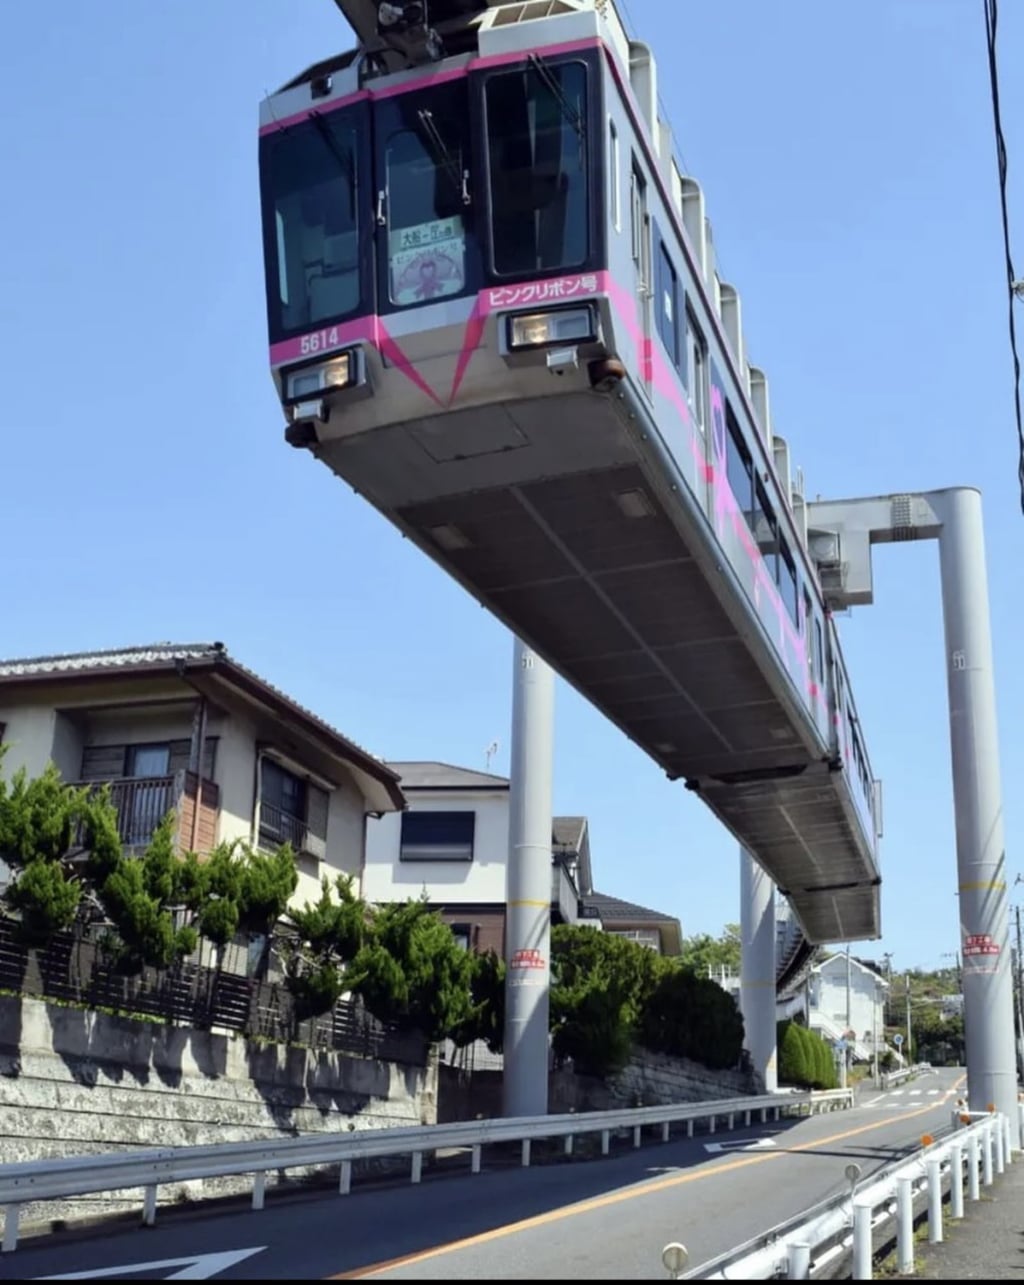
<point x="76" y="1082"/>
<point x="648" y="1079"/>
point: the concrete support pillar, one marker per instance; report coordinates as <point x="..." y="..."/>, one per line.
<point x="757" y="974"/>
<point x="528" y="926"/>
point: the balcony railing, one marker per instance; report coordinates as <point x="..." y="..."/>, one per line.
<point x="141" y="803"/>
<point x="278" y="826"/>
<point x="564" y="896"/>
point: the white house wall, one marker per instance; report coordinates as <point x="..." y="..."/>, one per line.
<point x="482" y="880"/>
<point x="829" y="994"/>
<point x="28" y="737"/>
<point x="235" y="772"/>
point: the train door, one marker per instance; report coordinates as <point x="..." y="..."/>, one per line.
<point x="640" y="224"/>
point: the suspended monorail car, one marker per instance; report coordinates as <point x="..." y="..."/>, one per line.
<point x="494" y="311"/>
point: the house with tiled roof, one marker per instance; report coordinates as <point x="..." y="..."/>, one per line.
<point x="452" y="843"/>
<point x="188" y="729"/>
<point x="652" y="928"/>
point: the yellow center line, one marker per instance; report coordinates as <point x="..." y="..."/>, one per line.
<point x="617" y="1197"/>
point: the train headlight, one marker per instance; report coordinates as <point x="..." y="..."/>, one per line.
<point x="325" y="377"/>
<point x="552" y="326"/>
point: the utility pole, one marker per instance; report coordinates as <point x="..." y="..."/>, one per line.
<point x="906" y="979"/>
<point x="874" y="1031"/>
<point x="1020" y="997"/>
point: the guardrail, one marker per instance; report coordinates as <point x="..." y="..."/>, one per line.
<point x="889" y="1078"/>
<point x="86" y="1175"/>
<point x="808" y="1245"/>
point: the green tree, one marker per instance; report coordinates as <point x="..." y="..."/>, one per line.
<point x="413" y="972"/>
<point x="324" y="941"/>
<point x="691" y="1016"/>
<point x="793" y="1061"/>
<point x="486" y="1020"/>
<point x="238" y="889"/>
<point x="600" y="985"/>
<point x="40" y="821"/>
<point x="139" y="897"/>
<point x="704" y="954"/>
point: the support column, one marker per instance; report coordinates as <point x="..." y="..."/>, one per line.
<point x="977" y="797"/>
<point x="528" y="921"/>
<point x="757" y="969"/>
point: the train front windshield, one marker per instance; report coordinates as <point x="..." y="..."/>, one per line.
<point x="353" y="227"/>
<point x="537" y="169"/>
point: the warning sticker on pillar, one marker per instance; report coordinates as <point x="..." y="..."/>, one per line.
<point x="981" y="954"/>
<point x="527" y="968"/>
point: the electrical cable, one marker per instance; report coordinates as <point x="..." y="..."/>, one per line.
<point x="991" y="23"/>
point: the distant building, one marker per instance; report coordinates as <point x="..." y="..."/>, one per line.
<point x="651" y="928"/>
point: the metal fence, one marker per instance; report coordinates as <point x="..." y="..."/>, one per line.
<point x="75" y="969"/>
<point x="852" y="1225"/>
<point x="87" y="1175"/>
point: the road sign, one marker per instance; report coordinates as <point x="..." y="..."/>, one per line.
<point x="194" y="1267"/>
<point x="897" y="1040"/>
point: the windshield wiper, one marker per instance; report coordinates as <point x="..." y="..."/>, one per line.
<point x="550" y="82"/>
<point x="346" y="160"/>
<point x="458" y="178"/>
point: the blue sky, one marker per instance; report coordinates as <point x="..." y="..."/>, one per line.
<point x="847" y="156"/>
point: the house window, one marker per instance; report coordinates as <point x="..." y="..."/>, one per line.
<point x="437" y="836"/>
<point x="148" y="761"/>
<point x="463" y="934"/>
<point x="292" y="810"/>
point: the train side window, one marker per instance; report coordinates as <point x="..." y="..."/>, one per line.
<point x="638" y="220"/>
<point x="738" y="468"/>
<point x="537" y="161"/>
<point x="614" y="176"/>
<point x="667" y="311"/>
<point x="787" y="579"/>
<point x="819" y="649"/>
<point x="809" y="635"/>
<point x="765" y="528"/>
<point x="695" y="370"/>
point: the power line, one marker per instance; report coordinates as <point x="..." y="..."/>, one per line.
<point x="991" y="23"/>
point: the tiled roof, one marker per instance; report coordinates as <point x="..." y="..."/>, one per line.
<point x="613" y="909"/>
<point x="428" y="775"/>
<point x="167" y="656"/>
<point x="118" y="658"/>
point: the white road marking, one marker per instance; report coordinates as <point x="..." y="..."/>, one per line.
<point x="195" y="1267"/>
<point x="751" y="1144"/>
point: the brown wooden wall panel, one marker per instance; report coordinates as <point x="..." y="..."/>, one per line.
<point x="487" y="926"/>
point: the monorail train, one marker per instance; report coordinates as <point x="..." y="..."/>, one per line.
<point x="494" y="311"/>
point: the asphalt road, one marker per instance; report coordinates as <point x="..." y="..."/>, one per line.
<point x="602" y="1219"/>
